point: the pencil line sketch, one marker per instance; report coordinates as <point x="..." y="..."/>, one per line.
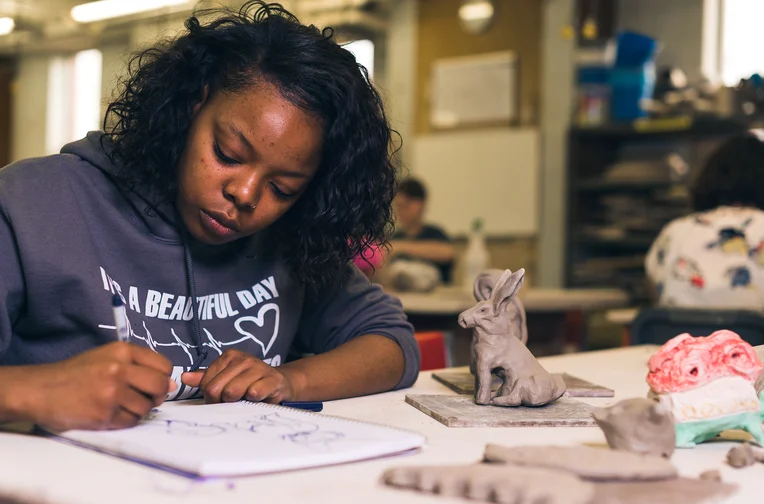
<point x="299" y="432"/>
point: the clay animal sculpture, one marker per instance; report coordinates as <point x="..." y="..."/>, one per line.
<point x="482" y="290"/>
<point x="497" y="349"/>
<point x="708" y="384"/>
<point x="494" y="483"/>
<point x="638" y="425"/>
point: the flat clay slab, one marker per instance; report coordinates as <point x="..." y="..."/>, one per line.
<point x="672" y="491"/>
<point x="461" y="411"/>
<point x="462" y="382"/>
<point x="587" y="462"/>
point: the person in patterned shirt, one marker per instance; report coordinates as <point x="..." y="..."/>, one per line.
<point x="714" y="257"/>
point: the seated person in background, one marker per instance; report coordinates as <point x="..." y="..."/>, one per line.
<point x="714" y="258"/>
<point x="414" y="240"/>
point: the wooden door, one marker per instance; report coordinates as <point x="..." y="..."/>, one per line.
<point x="7" y="70"/>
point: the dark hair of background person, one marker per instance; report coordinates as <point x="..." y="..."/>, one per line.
<point x="733" y="175"/>
<point x="412" y="188"/>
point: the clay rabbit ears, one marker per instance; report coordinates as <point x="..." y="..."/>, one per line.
<point x="484" y="283"/>
<point x="483" y="289"/>
<point x="499" y="295"/>
<point x="505" y="289"/>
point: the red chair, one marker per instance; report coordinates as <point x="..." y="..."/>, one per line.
<point x="432" y="346"/>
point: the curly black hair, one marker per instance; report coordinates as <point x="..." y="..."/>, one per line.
<point x="732" y="175"/>
<point x="347" y="206"/>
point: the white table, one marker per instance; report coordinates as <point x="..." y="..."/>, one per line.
<point x="454" y="300"/>
<point x="59" y="473"/>
<point x="546" y="311"/>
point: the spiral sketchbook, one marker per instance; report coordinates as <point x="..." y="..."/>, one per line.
<point x="244" y="438"/>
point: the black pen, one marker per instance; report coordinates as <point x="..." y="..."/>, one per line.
<point x="306" y="405"/>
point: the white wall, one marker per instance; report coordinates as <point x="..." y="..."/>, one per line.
<point x="557" y="57"/>
<point x="677" y="23"/>
<point x="492" y="174"/>
<point x="29" y="108"/>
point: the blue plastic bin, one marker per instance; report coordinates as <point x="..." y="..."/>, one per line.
<point x="628" y="87"/>
<point x="634" y="50"/>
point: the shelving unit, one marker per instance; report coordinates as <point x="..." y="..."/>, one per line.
<point x="612" y="217"/>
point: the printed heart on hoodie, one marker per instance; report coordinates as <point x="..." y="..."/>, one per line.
<point x="259" y="321"/>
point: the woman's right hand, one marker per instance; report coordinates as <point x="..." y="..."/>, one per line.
<point x="111" y="387"/>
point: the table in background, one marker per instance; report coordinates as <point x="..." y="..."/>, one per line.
<point x="623" y="318"/>
<point x="57" y="473"/>
<point x="555" y="316"/>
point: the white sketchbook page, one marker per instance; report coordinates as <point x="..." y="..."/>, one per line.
<point x="237" y="439"/>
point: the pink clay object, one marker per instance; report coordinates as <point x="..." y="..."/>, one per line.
<point x="686" y="362"/>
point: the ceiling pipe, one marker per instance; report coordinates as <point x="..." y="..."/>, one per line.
<point x="103" y="10"/>
<point x="315" y="6"/>
<point x="342" y="19"/>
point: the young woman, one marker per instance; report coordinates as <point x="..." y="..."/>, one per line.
<point x="714" y="258"/>
<point x="242" y="168"/>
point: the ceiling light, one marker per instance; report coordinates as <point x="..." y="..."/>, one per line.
<point x="106" y="9"/>
<point x="6" y="25"/>
<point x="476" y="16"/>
<point x="476" y="11"/>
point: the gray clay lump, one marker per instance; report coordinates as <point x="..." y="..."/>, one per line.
<point x="638" y="425"/>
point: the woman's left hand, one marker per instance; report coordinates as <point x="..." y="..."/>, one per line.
<point x="237" y="375"/>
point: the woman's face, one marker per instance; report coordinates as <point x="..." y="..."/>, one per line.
<point x="248" y="157"/>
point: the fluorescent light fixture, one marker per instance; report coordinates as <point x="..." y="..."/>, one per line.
<point x="476" y="11"/>
<point x="6" y="25"/>
<point x="107" y="9"/>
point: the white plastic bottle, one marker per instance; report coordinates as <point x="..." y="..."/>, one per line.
<point x="477" y="258"/>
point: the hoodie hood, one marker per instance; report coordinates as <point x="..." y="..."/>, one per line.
<point x="144" y="205"/>
<point x="146" y="210"/>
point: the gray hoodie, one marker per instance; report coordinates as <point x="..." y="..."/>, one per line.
<point x="70" y="239"/>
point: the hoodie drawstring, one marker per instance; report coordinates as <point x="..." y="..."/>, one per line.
<point x="201" y="352"/>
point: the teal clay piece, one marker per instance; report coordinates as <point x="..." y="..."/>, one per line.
<point x="689" y="434"/>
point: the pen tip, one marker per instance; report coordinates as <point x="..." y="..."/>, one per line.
<point x="116" y="300"/>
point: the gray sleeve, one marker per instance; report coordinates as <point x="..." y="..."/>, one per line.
<point x="12" y="290"/>
<point x="355" y="309"/>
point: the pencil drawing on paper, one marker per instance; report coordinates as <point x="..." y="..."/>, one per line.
<point x="299" y="432"/>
